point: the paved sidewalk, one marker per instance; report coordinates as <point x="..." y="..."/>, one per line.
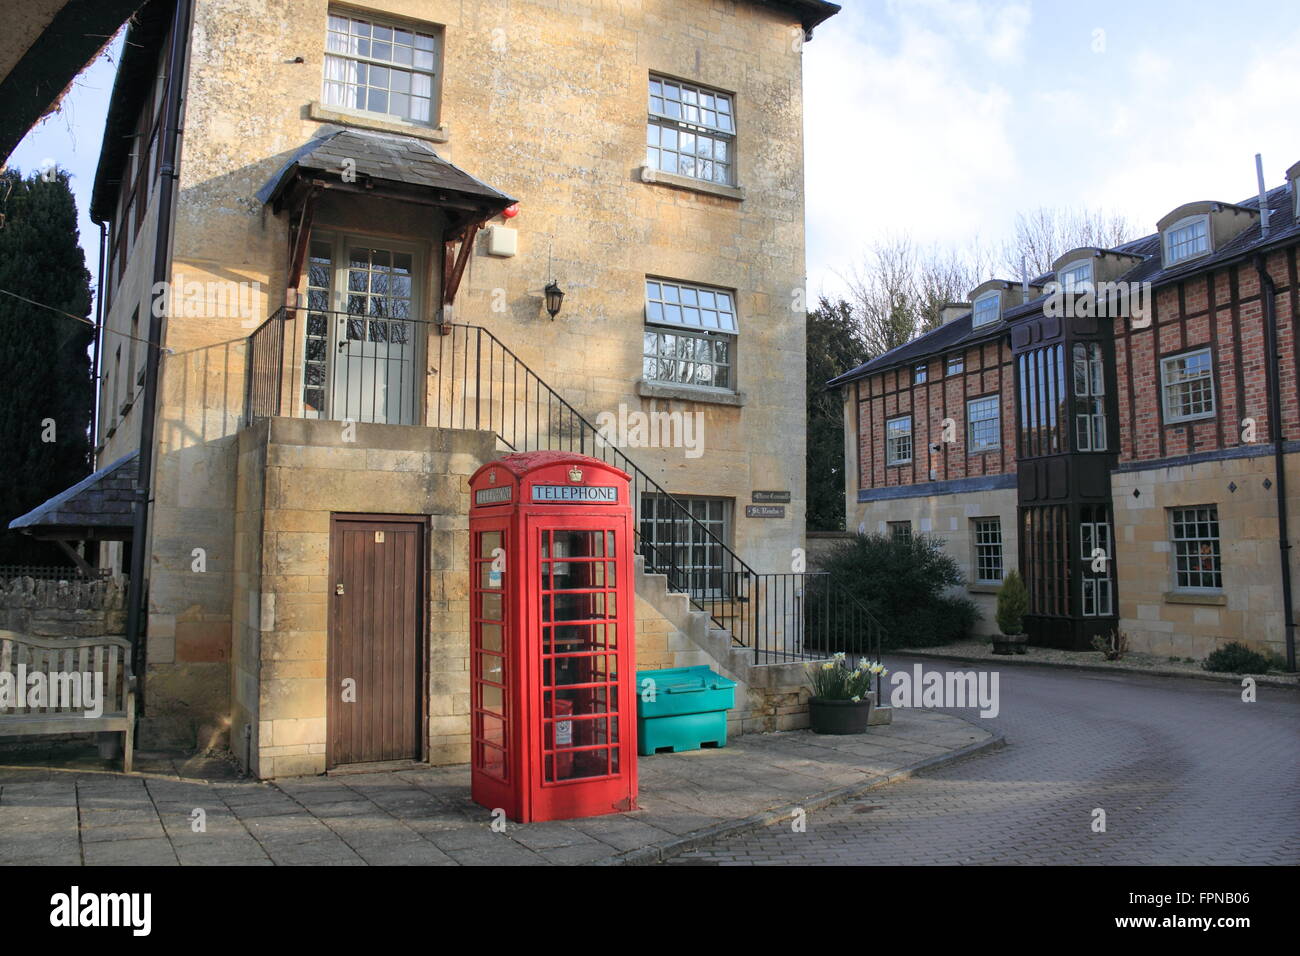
<point x="423" y="816"/>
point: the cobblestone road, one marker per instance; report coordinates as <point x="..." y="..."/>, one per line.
<point x="1186" y="772"/>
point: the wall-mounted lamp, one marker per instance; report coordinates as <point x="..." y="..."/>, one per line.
<point x="554" y="298"/>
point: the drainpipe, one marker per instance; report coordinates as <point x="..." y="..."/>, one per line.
<point x="136" y="593"/>
<point x="1272" y="371"/>
<point x="98" y="345"/>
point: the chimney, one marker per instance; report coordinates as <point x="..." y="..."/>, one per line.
<point x="952" y="310"/>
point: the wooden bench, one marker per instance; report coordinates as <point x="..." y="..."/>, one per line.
<point x="110" y="656"/>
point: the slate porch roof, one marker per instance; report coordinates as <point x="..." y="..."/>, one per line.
<point x="382" y="158"/>
<point x="97" y="507"/>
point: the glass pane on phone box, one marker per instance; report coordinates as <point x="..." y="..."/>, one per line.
<point x="563" y="671"/>
<point x="491" y="605"/>
<point x="492" y="668"/>
<point x="486" y="577"/>
<point x="493" y="729"/>
<point x="573" y="575"/>
<point x="581" y="700"/>
<point x="570" y="638"/>
<point x="492" y="760"/>
<point x="587" y="763"/>
<point x="574" y="606"/>
<point x="603" y="605"/>
<point x="490" y="636"/>
<point x="578" y="544"/>
<point x="492" y="698"/>
<point x="488" y="541"/>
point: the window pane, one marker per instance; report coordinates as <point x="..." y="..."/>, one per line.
<point x="351" y="82"/>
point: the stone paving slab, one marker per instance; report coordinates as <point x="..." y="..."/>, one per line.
<point x="64" y="807"/>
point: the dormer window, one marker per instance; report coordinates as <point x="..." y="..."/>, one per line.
<point x="988" y="308"/>
<point x="1187" y="239"/>
<point x="1076" y="276"/>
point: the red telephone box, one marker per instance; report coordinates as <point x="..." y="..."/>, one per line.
<point x="552" y="668"/>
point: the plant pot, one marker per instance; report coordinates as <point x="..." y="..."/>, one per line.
<point x="839" y="716"/>
<point x="1010" y="643"/>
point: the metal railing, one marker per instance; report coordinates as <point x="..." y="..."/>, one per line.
<point x="475" y="381"/>
<point x="52" y="572"/>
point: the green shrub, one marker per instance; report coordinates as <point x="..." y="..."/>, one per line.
<point x="1113" y="646"/>
<point x="903" y="583"/>
<point x="1013" y="602"/>
<point x="1236" y="658"/>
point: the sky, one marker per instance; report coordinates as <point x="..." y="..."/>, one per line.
<point x="71" y="138"/>
<point x="942" y="119"/>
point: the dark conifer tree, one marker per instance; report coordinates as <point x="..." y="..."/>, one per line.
<point x="46" y="390"/>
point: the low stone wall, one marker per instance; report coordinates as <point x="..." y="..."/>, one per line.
<point x="822" y="544"/>
<point x="63" y="608"/>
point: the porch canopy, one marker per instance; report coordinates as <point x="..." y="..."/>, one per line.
<point x="400" y="168"/>
<point x="100" y="507"/>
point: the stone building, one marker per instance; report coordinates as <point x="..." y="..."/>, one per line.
<point x="1122" y="429"/>
<point x="376" y="208"/>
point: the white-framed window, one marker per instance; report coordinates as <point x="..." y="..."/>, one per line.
<point x="900" y="530"/>
<point x="691" y="131"/>
<point x="1194" y="534"/>
<point x="987" y="308"/>
<point x="983" y="424"/>
<point x="956" y="364"/>
<point x="690" y="335"/>
<point x="919" y="374"/>
<point x="1187" y="239"/>
<point x="1095" y="556"/>
<point x="898" y="440"/>
<point x="385" y="68"/>
<point x="987" y="535"/>
<point x="1089" y="398"/>
<point x="1187" y="386"/>
<point x="1075" y="276"/>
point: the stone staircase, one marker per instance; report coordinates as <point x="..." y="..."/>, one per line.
<point x="672" y="633"/>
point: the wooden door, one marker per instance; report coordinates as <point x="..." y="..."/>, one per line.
<point x="377" y="585"/>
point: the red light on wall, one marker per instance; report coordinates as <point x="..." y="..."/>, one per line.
<point x="511" y="211"/>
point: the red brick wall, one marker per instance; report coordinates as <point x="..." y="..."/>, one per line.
<point x="1221" y="309"/>
<point x="988" y="370"/>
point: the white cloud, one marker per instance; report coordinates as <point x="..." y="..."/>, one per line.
<point x="933" y="121"/>
<point x="903" y="134"/>
<point x="1195" y="137"/>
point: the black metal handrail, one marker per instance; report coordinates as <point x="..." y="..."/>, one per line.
<point x="53" y="572"/>
<point x="477" y="382"/>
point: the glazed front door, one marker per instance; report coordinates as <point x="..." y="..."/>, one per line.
<point x="374" y="668"/>
<point x="361" y="351"/>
